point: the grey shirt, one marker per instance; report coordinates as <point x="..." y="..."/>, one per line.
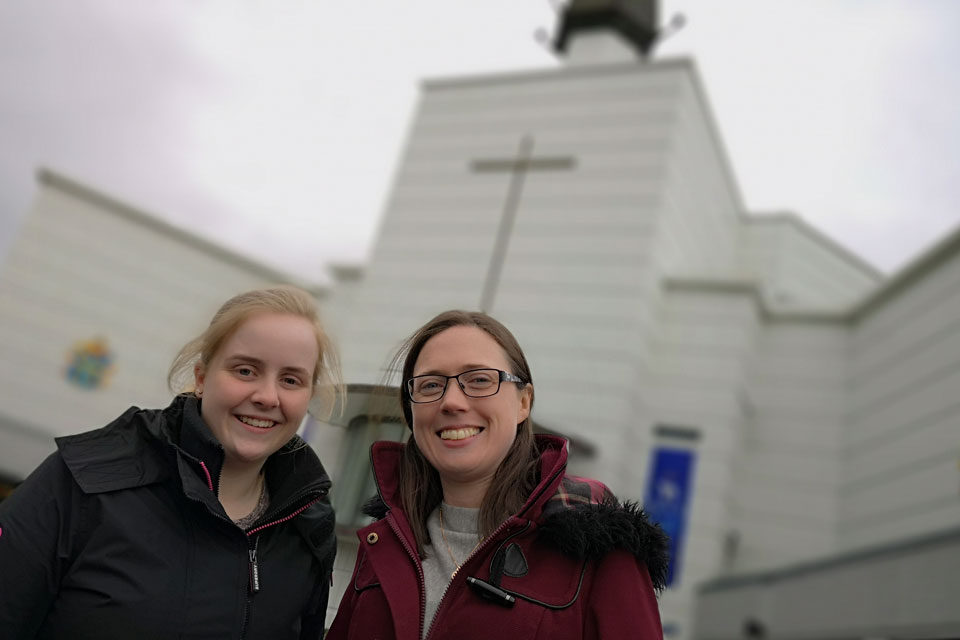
<point x="462" y="536"/>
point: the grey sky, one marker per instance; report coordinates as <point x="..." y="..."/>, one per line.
<point x="274" y="128"/>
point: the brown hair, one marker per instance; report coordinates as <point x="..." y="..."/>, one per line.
<point x="237" y="310"/>
<point x="515" y="478"/>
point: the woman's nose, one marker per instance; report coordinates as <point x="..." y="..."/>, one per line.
<point x="266" y="394"/>
<point x="454" y="398"/>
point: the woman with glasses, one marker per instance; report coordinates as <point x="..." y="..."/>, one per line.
<point x="479" y="533"/>
<point x="206" y="519"/>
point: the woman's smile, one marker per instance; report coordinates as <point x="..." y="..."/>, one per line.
<point x="459" y="433"/>
<point x="259" y="423"/>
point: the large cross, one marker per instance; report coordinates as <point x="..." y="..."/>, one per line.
<point x="518" y="167"/>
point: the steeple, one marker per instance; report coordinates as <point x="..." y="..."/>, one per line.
<point x="635" y="21"/>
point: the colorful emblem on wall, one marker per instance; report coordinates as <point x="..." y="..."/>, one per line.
<point x="90" y="364"/>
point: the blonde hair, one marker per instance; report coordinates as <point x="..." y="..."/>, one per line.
<point x="327" y="380"/>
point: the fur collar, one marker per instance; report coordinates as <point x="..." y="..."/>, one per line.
<point x="375" y="508"/>
<point x="594" y="530"/>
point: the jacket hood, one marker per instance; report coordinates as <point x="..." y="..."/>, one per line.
<point x="578" y="516"/>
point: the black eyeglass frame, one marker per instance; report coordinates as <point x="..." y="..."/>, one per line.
<point x="504" y="376"/>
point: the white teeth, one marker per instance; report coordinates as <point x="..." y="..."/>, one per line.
<point x="253" y="422"/>
<point x="459" y="434"/>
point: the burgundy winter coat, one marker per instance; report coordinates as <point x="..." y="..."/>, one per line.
<point x="572" y="563"/>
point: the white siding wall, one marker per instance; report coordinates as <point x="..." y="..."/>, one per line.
<point x="577" y="277"/>
<point x="579" y="246"/>
<point x="798" y="268"/>
<point x="903" y="440"/>
<point x="81" y="268"/>
<point x="699" y="231"/>
<point x="787" y="475"/>
<point x="703" y="346"/>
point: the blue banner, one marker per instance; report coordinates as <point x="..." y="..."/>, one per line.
<point x="667" y="496"/>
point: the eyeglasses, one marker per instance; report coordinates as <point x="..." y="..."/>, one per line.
<point x="476" y="383"/>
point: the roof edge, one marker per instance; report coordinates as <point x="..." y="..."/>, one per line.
<point x="525" y="75"/>
<point x="797" y="221"/>
<point x="928" y="260"/>
<point x="60" y="182"/>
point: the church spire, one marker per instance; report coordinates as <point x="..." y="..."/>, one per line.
<point x="634" y="20"/>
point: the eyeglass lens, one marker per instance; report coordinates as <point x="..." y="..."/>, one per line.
<point x="478" y="383"/>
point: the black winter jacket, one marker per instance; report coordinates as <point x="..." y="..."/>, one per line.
<point x="119" y="534"/>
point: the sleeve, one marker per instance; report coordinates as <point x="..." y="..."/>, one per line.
<point x="340" y="627"/>
<point x="622" y="602"/>
<point x="313" y="625"/>
<point x="37" y="523"/>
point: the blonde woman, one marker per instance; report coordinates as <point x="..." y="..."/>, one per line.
<point x="206" y="519"/>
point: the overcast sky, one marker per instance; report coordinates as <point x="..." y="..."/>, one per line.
<point x="274" y="127"/>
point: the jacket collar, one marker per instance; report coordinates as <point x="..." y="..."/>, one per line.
<point x="294" y="470"/>
<point x="183" y="429"/>
<point x="141" y="447"/>
<point x="553" y="464"/>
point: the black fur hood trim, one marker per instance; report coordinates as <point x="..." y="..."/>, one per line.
<point x="375" y="507"/>
<point x="591" y="531"/>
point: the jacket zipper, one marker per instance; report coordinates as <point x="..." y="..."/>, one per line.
<point x="253" y="566"/>
<point x="443" y="596"/>
<point x="416" y="558"/>
<point x="246" y="607"/>
<point x="416" y="562"/>
<point x="482" y="546"/>
<point x="289" y="516"/>
<point x="206" y="472"/>
<point x="254" y="583"/>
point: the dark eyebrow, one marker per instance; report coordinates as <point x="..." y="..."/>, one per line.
<point x="466" y="367"/>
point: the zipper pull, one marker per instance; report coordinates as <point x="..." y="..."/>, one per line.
<point x="254" y="567"/>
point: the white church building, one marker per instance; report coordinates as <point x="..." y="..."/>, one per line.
<point x="790" y="415"/>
